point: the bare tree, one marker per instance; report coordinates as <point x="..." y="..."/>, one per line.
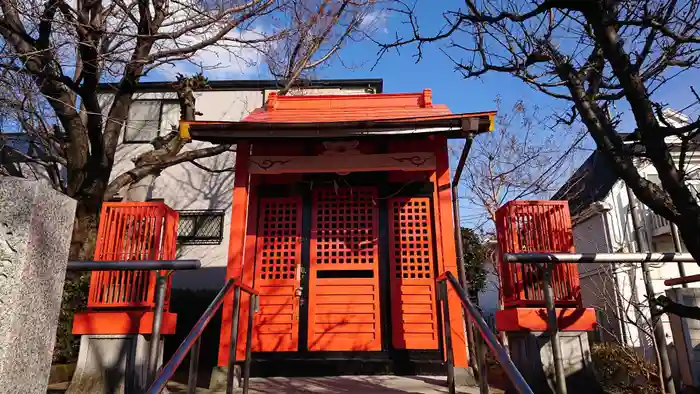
<point x="591" y="55"/>
<point x="61" y="50"/>
<point x="624" y="316"/>
<point x="319" y="33"/>
<point x="523" y="158"/>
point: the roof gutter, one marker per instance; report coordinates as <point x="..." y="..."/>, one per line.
<point x="459" y="241"/>
<point x="376" y="84"/>
<point x="454" y="126"/>
<point x="596" y="208"/>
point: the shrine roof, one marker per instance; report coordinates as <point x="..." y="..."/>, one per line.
<point x="337" y="116"/>
<point x="294" y="109"/>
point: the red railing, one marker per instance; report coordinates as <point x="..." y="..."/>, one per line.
<point x="132" y="231"/>
<point x="536" y="226"/>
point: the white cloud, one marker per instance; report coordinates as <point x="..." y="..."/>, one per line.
<point x="224" y="60"/>
<point x="376" y="21"/>
<point x="227" y="58"/>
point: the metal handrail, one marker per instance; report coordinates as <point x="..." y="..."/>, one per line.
<point x="598" y="257"/>
<point x="193" y="341"/>
<point x="130" y="265"/>
<point x="489" y="337"/>
<point x="162" y="268"/>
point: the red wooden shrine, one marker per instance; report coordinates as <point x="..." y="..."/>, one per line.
<point x="342" y="220"/>
<point x="122" y="302"/>
<point x="532" y="227"/>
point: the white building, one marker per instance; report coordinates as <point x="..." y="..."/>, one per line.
<point x="203" y="198"/>
<point x="602" y="223"/>
<point x="489" y="296"/>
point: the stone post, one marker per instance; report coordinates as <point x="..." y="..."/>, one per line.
<point x="532" y="353"/>
<point x="36" y="223"/>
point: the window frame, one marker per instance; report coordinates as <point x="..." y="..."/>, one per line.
<point x="161" y="103"/>
<point x="202" y="240"/>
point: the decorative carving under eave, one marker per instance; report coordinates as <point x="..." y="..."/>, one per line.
<point x="342" y="163"/>
<point x="415" y="160"/>
<point x="341" y="148"/>
<point x="266" y="164"/>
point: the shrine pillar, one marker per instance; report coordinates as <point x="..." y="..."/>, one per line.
<point x="447" y="257"/>
<point x="542" y="227"/>
<point x="240" y="241"/>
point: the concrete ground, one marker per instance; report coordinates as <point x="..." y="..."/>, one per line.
<point x="347" y="385"/>
<point x="335" y="384"/>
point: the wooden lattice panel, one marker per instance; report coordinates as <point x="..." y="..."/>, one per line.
<point x="279" y="238"/>
<point x="414" y="306"/>
<point x="344" y="279"/>
<point x="132" y="231"/>
<point x="536" y="226"/>
<point x="345" y="225"/>
<point x="277" y="275"/>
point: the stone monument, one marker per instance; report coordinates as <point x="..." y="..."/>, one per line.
<point x="35" y="231"/>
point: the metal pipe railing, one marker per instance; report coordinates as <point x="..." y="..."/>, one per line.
<point x="160" y="291"/>
<point x="684" y="280"/>
<point x="139" y="265"/>
<point x="488" y="336"/>
<point x="597" y="257"/>
<point x="547" y="260"/>
<point x="193" y="341"/>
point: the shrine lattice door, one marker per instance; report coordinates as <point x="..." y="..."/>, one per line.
<point x="277" y="275"/>
<point x="344" y="302"/>
<point x="414" y="307"/>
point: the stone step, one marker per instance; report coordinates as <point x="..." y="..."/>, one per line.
<point x="381" y="384"/>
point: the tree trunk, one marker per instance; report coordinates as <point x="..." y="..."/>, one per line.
<point x="87" y="214"/>
<point x="689" y="227"/>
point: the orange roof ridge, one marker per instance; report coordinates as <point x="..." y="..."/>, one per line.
<point x="414" y="100"/>
<point x="353" y="107"/>
<point x="346" y="96"/>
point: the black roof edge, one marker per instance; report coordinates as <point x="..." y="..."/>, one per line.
<point x="231" y="131"/>
<point x="320" y="136"/>
<point x="166" y="86"/>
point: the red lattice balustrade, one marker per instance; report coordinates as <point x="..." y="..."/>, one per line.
<point x="536" y="226"/>
<point x="132" y="231"/>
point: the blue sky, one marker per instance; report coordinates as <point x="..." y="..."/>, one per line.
<point x="435" y="70"/>
<point x="401" y="73"/>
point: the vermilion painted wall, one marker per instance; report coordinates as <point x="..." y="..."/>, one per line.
<point x="241" y="258"/>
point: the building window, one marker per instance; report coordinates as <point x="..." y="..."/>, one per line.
<point x="148" y="118"/>
<point x="201" y="227"/>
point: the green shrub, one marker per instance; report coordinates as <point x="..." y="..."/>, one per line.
<point x="75" y="294"/>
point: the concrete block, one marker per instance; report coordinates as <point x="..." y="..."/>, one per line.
<point x="112" y="364"/>
<point x="36" y="223"/>
<point x="219" y="375"/>
<point x="532" y="354"/>
<point x="464" y="377"/>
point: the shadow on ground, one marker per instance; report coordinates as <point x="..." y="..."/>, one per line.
<point x="346" y="385"/>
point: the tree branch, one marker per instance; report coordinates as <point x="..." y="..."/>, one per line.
<point x="212" y="170"/>
<point x="672" y="307"/>
<point x="138" y="173"/>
